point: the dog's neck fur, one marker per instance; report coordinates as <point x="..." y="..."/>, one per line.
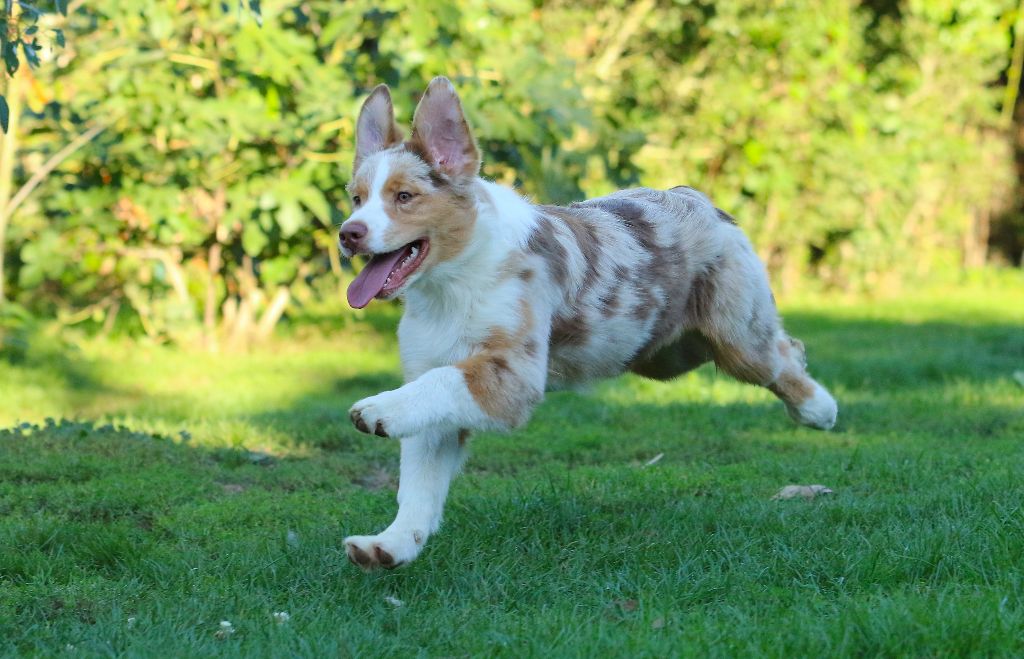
<point x="454" y="288"/>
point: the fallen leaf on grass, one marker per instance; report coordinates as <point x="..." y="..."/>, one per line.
<point x="654" y="460"/>
<point x="232" y="488"/>
<point x="805" y="491"/>
<point x="658" y="623"/>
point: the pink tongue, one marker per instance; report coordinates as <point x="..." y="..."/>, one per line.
<point x="371" y="278"/>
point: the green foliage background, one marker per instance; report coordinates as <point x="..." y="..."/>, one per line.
<point x="858" y="143"/>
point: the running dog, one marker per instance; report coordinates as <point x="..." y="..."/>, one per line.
<point x="505" y="299"/>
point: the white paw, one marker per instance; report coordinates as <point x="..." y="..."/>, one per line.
<point x="818" y="411"/>
<point x="387" y="550"/>
<point x="377" y="415"/>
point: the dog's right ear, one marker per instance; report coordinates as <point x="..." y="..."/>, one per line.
<point x="376" y="129"/>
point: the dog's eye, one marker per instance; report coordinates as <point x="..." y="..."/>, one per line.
<point x="356" y="200"/>
<point x="403" y="196"/>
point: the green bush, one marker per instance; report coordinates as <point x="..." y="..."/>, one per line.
<point x="857" y="143"/>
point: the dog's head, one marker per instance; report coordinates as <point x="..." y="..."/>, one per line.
<point x="412" y="203"/>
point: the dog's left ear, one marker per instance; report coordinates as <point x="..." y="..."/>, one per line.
<point x="440" y="130"/>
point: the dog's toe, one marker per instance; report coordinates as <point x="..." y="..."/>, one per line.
<point x="359" y="557"/>
<point x="371" y="416"/>
<point x="385" y="559"/>
<point x="381" y="551"/>
<point x="358" y="422"/>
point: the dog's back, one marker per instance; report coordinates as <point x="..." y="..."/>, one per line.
<point x="637" y="270"/>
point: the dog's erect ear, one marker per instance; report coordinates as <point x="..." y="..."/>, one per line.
<point x="440" y="131"/>
<point x="375" y="129"/>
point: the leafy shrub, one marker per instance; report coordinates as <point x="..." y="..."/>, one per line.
<point x="856" y="143"/>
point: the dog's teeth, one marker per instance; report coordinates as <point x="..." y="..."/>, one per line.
<point x="414" y="252"/>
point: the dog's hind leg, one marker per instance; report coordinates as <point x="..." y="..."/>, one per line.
<point x="429" y="463"/>
<point x="742" y="326"/>
<point x="779" y="366"/>
<point x="806" y="401"/>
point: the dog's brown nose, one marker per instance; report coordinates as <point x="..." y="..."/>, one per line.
<point x="352" y="234"/>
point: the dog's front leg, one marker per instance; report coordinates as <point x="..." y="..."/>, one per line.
<point x="493" y="389"/>
<point x="485" y="392"/>
<point x="429" y="462"/>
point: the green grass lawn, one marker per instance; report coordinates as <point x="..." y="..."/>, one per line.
<point x="192" y="489"/>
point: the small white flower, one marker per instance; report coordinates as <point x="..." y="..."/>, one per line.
<point x="393" y="601"/>
<point x="226" y="629"/>
<point x="69" y="648"/>
<point x="131" y="622"/>
<point x="281" y="617"/>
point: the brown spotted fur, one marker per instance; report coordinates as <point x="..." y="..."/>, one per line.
<point x="492" y="373"/>
<point x="681" y="290"/>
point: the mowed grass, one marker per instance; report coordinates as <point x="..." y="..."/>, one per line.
<point x="195" y="489"/>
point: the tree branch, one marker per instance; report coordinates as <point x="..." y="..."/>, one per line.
<point x="33" y="182"/>
<point x="1013" y="75"/>
<point x="630" y="24"/>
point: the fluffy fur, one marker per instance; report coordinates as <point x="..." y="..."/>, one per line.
<point x="513" y="298"/>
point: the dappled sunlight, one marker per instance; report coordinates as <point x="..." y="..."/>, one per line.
<point x="176" y="384"/>
<point x="1002" y="391"/>
<point x="209" y="433"/>
<point x="704" y="386"/>
<point x="976" y="298"/>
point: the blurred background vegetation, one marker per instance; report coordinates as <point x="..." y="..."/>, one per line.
<point x="176" y="169"/>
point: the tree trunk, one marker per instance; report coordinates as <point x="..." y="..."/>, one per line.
<point x="210" y="311"/>
<point x="8" y="152"/>
<point x="273" y="313"/>
<point x="976" y="239"/>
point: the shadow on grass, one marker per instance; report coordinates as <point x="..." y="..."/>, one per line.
<point x="113" y="502"/>
<point x="138" y="525"/>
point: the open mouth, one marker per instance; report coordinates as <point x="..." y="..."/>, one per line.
<point x="385" y="274"/>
